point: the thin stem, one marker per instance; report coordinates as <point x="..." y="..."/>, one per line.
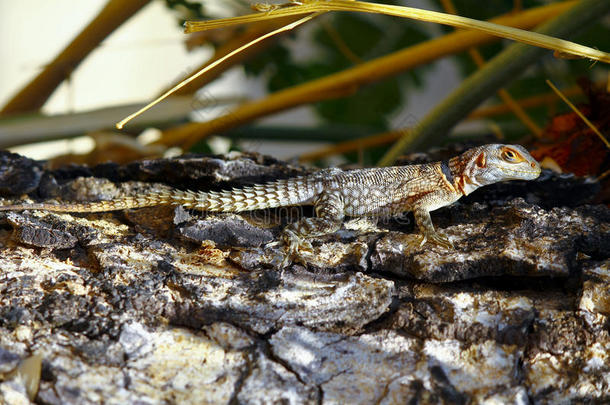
<point x="579" y="113"/>
<point x="531" y="38"/>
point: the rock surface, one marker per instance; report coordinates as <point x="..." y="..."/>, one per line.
<point x="162" y="305"/>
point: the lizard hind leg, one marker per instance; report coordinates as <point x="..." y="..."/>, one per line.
<point x="329" y="209"/>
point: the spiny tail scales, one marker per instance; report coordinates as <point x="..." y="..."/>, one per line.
<point x="269" y="195"/>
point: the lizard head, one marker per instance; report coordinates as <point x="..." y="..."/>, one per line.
<point x="495" y="162"/>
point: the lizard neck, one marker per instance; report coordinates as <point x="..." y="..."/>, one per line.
<point x="457" y="172"/>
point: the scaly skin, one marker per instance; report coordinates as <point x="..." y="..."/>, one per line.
<point x="336" y="194"/>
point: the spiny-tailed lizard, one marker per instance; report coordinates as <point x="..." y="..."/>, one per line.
<point x="336" y="194"/>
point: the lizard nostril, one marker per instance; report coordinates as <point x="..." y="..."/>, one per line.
<point x="533" y="165"/>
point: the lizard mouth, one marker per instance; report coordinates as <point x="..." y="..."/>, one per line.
<point x="520" y="173"/>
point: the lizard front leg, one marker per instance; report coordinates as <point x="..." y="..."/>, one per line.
<point x="428" y="234"/>
<point x="329" y="209"/>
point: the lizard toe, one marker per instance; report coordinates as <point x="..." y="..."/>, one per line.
<point x="441" y="240"/>
<point x="434" y="238"/>
<point x="273" y="244"/>
<point x="419" y="241"/>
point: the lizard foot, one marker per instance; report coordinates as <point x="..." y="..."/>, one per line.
<point x="441" y="240"/>
<point x="436" y="238"/>
<point x="296" y="248"/>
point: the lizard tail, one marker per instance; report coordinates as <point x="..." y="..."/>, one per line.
<point x="120" y="203"/>
<point x="270" y="195"/>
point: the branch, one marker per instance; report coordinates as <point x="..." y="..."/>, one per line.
<point x="348" y="81"/>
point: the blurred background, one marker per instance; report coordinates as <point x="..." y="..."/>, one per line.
<point x="72" y="69"/>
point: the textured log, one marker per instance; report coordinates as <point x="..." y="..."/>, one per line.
<point x="166" y="305"/>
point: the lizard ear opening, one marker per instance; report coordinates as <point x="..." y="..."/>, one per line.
<point x="480" y="161"/>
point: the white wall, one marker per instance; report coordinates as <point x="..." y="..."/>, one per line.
<point x="132" y="65"/>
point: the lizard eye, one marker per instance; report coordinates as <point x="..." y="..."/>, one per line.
<point x="510" y="155"/>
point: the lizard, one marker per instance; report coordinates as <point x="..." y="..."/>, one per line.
<point x="335" y="194"/>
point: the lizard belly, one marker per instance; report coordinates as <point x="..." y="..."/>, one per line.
<point x="372" y="201"/>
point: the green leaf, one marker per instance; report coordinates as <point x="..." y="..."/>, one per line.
<point x="358" y="32"/>
<point x="369" y="106"/>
